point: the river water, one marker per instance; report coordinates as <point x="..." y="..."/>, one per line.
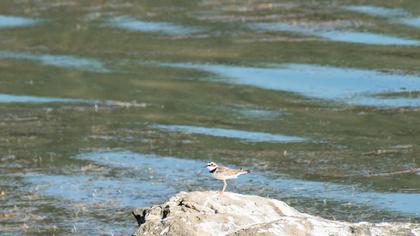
<point x="106" y="106"/>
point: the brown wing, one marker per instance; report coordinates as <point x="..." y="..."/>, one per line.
<point x="228" y="171"/>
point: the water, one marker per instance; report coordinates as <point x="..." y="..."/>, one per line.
<point x="354" y="86"/>
<point x="9" y="98"/>
<point x="377" y="11"/>
<point x="246" y="136"/>
<point x="147" y="167"/>
<point x="16" y="21"/>
<point x="151" y="177"/>
<point x="392" y="14"/>
<point x="338" y="35"/>
<point x="131" y="24"/>
<point x="255" y="113"/>
<point x="413" y="21"/>
<point x="62" y="61"/>
<point x="107" y="106"/>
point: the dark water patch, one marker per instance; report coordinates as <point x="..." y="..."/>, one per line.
<point x="352" y="86"/>
<point x="337" y="35"/>
<point x="16" y="21"/>
<point x="247" y="136"/>
<point x="108" y="192"/>
<point x="174" y="171"/>
<point x="131" y="24"/>
<point x="61" y="61"/>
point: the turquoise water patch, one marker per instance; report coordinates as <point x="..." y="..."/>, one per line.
<point x="61" y="61"/>
<point x="352" y="86"/>
<point x="246" y="136"/>
<point x="132" y="24"/>
<point x="337" y="35"/>
<point x="16" y="21"/>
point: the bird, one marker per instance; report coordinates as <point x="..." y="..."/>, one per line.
<point x="224" y="173"/>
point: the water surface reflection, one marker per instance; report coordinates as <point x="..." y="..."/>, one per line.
<point x="337" y="35"/>
<point x="353" y="86"/>
<point x="16" y="21"/>
<point x="176" y="173"/>
<point x="247" y="136"/>
<point x="396" y="15"/>
<point x="62" y="61"/>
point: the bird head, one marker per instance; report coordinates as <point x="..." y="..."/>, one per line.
<point x="211" y="166"/>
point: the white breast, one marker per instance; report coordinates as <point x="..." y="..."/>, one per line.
<point x="221" y="176"/>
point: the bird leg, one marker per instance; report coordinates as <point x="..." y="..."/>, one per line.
<point x="224" y="187"/>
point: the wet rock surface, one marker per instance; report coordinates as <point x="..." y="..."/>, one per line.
<point x="208" y="213"/>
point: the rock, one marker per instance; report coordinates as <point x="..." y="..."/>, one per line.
<point x="207" y="213"/>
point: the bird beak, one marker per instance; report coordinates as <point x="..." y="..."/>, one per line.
<point x="205" y="166"/>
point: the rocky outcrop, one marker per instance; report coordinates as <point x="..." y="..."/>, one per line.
<point x="207" y="213"/>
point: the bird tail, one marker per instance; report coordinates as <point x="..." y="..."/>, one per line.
<point x="245" y="172"/>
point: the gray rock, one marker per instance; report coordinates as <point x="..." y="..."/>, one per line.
<point x="207" y="213"/>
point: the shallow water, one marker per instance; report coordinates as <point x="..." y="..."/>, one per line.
<point x="377" y="11"/>
<point x="9" y="98"/>
<point x="63" y="61"/>
<point x="355" y="86"/>
<point x="338" y="35"/>
<point x="144" y="180"/>
<point x="394" y="15"/>
<point x="109" y="106"/>
<point x="246" y="136"/>
<point x="16" y="21"/>
<point x="131" y="24"/>
<point x="413" y="21"/>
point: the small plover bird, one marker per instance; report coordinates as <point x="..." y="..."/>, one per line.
<point x="224" y="173"/>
